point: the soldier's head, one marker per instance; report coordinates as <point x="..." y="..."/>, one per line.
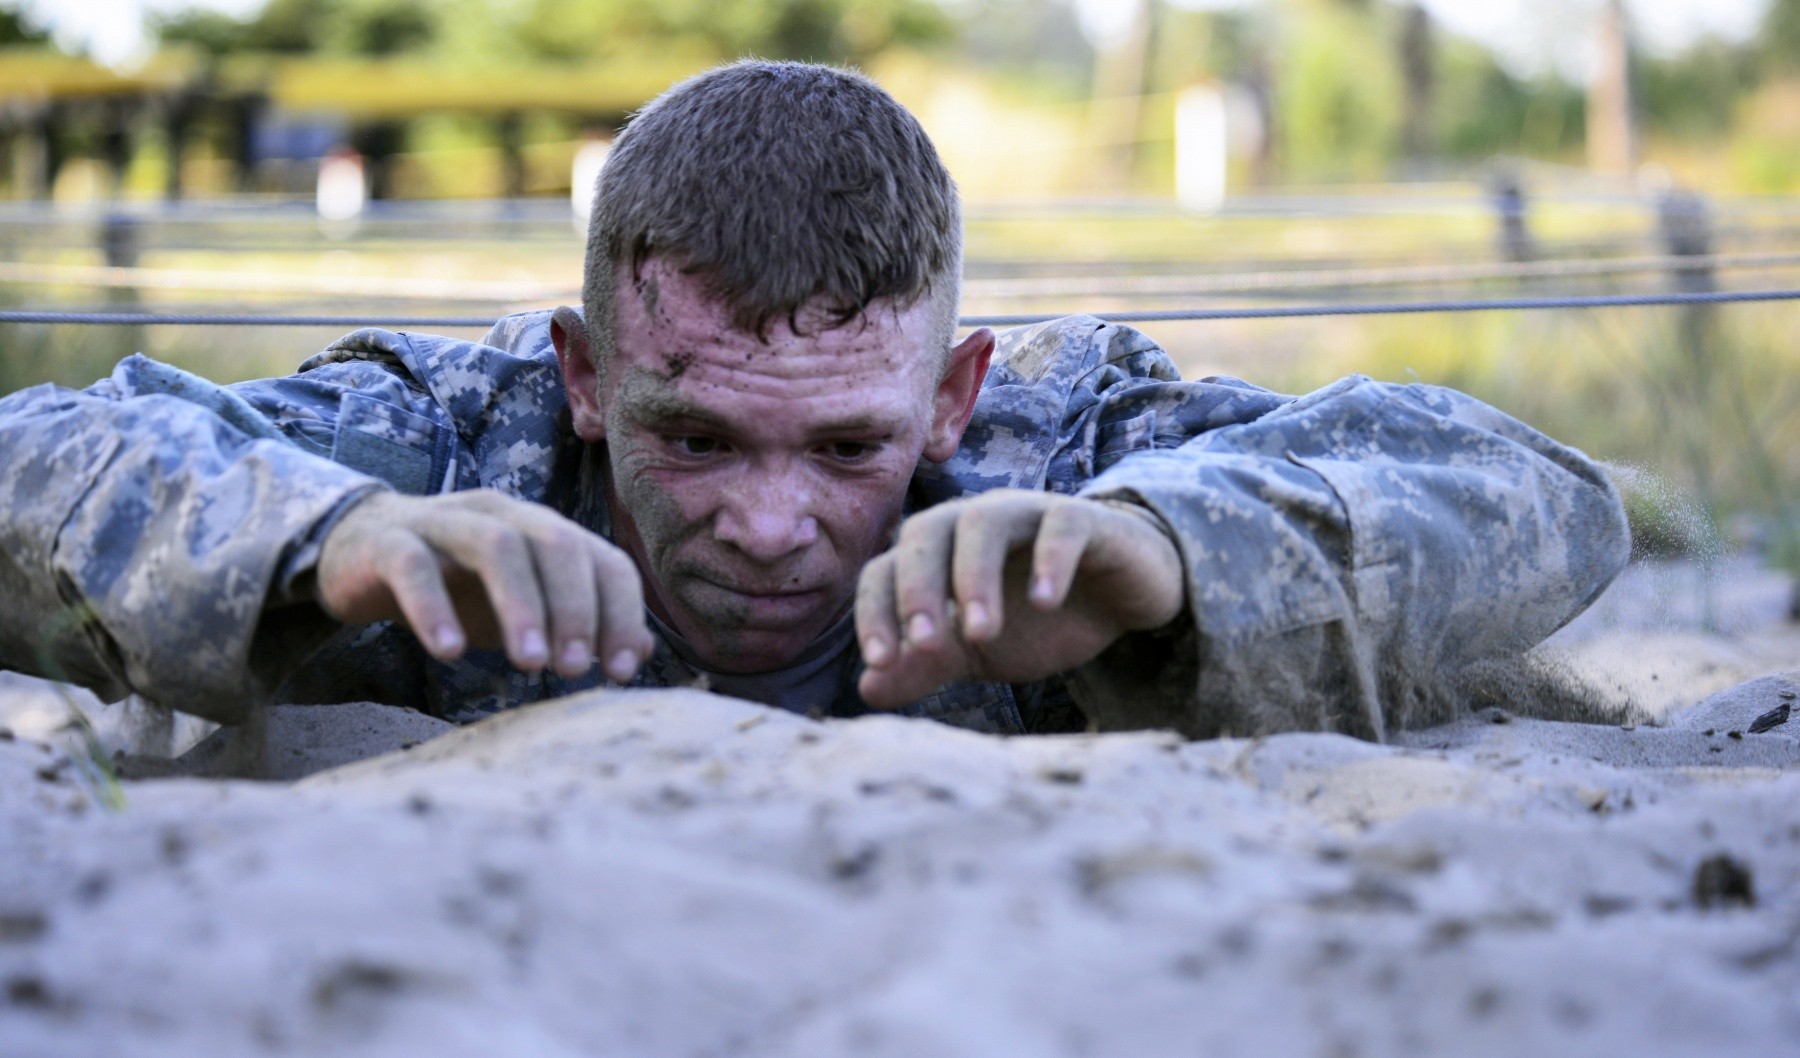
<point x="769" y="345"/>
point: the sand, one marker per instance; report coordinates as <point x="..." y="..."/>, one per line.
<point x="674" y="873"/>
<point x="1662" y="637"/>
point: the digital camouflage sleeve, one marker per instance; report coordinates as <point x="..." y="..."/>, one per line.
<point x="1347" y="552"/>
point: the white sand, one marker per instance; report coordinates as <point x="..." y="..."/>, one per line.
<point x="1663" y="636"/>
<point x="670" y="873"/>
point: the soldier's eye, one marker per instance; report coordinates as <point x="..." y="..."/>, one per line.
<point x="695" y="446"/>
<point x="851" y="451"/>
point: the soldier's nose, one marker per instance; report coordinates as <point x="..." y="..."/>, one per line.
<point x="767" y="527"/>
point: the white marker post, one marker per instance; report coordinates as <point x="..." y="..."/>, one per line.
<point x="343" y="189"/>
<point x="590" y="158"/>
<point x="1201" y="148"/>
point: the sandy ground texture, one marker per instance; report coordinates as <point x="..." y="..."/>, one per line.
<point x="672" y="873"/>
<point x="1667" y="634"/>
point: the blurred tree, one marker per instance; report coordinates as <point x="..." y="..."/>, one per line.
<point x="1038" y="37"/>
<point x="1182" y="51"/>
<point x="348" y="27"/>
<point x="15" y="28"/>
<point x="1326" y="74"/>
<point x="1483" y="110"/>
<point x="283" y="26"/>
<point x="1779" y="38"/>
<point x="1696" y="94"/>
<point x="1338" y="94"/>
<point x="384" y="27"/>
<point x="568" y="30"/>
<point x="819" y="30"/>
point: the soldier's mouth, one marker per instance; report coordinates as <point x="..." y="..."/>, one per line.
<point x="772" y="601"/>
<point x="749" y="588"/>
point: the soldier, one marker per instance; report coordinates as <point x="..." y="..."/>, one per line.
<point x="761" y="459"/>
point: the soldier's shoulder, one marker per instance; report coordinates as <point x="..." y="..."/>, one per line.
<point x="1071" y="348"/>
<point x="514" y="364"/>
<point x="518" y="336"/>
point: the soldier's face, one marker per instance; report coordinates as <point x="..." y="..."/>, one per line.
<point x="752" y="479"/>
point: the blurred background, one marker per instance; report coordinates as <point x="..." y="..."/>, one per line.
<point x="433" y="156"/>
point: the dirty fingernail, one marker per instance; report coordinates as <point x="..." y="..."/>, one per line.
<point x="576" y="657"/>
<point x="920" y="628"/>
<point x="448" y="639"/>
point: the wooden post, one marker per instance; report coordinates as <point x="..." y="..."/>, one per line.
<point x="378" y="142"/>
<point x="1511" y="208"/>
<point x="43" y="156"/>
<point x="1685" y="223"/>
<point x="116" y="117"/>
<point x="1611" y="132"/>
<point x="119" y="245"/>
<point x="1419" y="71"/>
<point x="246" y="117"/>
<point x="510" y="131"/>
<point x="178" y="113"/>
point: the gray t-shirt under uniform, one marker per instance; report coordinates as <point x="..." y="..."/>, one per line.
<point x="813" y="685"/>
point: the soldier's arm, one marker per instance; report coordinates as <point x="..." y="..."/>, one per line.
<point x="144" y="542"/>
<point x="193" y="543"/>
<point x="1350" y="557"/>
<point x="1341" y="560"/>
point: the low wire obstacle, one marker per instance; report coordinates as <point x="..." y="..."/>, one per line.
<point x="173" y="319"/>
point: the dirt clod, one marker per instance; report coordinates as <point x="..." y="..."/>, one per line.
<point x="1721" y="881"/>
<point x="1772" y="719"/>
<point x="18" y="927"/>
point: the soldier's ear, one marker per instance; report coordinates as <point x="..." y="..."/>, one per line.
<point x="581" y="378"/>
<point x="964" y="372"/>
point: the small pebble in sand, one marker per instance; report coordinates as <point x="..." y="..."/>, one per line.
<point x="21" y="926"/>
<point x="1721" y="881"/>
<point x="28" y="991"/>
<point x="1771" y="719"/>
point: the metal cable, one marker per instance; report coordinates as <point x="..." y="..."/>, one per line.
<point x="1156" y="315"/>
<point x="1278" y="280"/>
<point x="407" y="288"/>
<point x="1402" y="307"/>
<point x="152" y="319"/>
<point x="526" y="292"/>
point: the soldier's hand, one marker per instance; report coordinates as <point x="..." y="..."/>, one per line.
<point x="1013" y="586"/>
<point x="484" y="569"/>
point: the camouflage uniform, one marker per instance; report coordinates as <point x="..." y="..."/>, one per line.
<point x="1343" y="549"/>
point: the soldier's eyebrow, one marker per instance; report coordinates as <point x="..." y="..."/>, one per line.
<point x="651" y="400"/>
<point x="853" y="425"/>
